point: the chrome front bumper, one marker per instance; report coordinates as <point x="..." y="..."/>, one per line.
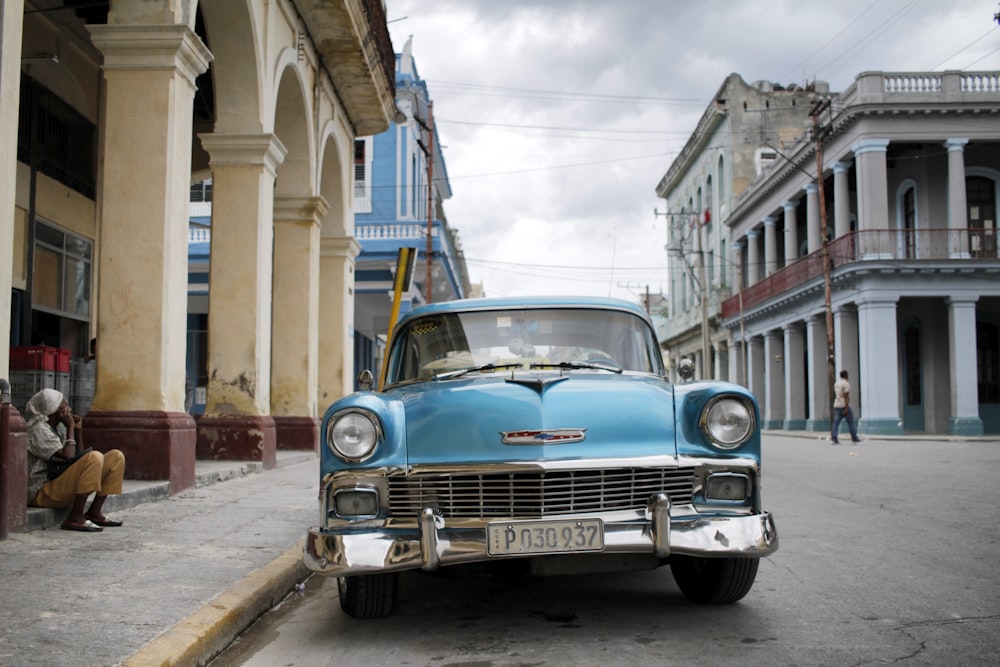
<point x="432" y="545"/>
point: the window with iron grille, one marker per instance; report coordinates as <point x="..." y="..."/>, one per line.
<point x="54" y="138"/>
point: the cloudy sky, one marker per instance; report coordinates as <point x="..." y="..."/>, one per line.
<point x="559" y="117"/>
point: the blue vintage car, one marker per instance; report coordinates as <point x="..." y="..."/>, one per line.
<point x="542" y="431"/>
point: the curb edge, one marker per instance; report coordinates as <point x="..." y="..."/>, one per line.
<point x="202" y="635"/>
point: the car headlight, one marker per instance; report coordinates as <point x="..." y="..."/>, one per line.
<point x="728" y="421"/>
<point x="353" y="435"/>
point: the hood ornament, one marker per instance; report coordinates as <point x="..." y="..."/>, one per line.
<point x="548" y="436"/>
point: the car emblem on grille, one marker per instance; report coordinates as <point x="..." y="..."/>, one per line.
<point x="549" y="436"/>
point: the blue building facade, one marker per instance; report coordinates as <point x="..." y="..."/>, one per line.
<point x="396" y="173"/>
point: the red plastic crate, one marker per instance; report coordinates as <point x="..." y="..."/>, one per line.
<point x="62" y="361"/>
<point x="39" y="358"/>
<point x="35" y="358"/>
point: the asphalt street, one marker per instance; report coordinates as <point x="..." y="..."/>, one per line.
<point x="888" y="556"/>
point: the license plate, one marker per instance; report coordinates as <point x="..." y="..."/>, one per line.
<point x="516" y="538"/>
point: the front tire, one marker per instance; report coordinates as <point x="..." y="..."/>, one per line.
<point x="368" y="595"/>
<point x="714" y="580"/>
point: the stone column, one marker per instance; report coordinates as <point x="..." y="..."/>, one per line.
<point x="819" y="386"/>
<point x="770" y="245"/>
<point x="723" y="351"/>
<point x="149" y="74"/>
<point x="755" y="369"/>
<point x="774" y="380"/>
<point x="14" y="464"/>
<point x="841" y="199"/>
<point x="791" y="232"/>
<point x="846" y="354"/>
<point x="873" y="199"/>
<point x="295" y="325"/>
<point x="963" y="374"/>
<point x="737" y="356"/>
<point x="237" y="423"/>
<point x="814" y="238"/>
<point x="879" y="375"/>
<point x="795" y="389"/>
<point x="336" y="317"/>
<point x="753" y="258"/>
<point x="11" y="15"/>
<point x="737" y="363"/>
<point x="958" y="211"/>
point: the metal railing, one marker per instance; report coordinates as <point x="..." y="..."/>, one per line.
<point x="380" y="33"/>
<point x="879" y="245"/>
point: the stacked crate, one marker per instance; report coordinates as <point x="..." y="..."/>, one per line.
<point x="37" y="367"/>
<point x="81" y="387"/>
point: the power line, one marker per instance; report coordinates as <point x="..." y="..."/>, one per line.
<point x="967" y="47"/>
<point x="834" y="38"/>
<point x="560" y="128"/>
<point x="541" y="93"/>
<point x="855" y="48"/>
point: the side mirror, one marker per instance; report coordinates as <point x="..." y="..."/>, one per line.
<point x="366" y="380"/>
<point x="685" y="368"/>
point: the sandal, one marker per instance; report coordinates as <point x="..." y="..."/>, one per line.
<point x="104" y="521"/>
<point x="85" y="527"/>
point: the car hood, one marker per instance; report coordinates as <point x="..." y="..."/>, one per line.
<point x="462" y="421"/>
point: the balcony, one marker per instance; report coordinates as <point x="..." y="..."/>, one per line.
<point x="879" y="245"/>
<point x="921" y="88"/>
<point x="352" y="38"/>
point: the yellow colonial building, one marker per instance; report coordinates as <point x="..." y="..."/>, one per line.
<point x="108" y="113"/>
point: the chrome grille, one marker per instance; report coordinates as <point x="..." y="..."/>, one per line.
<point x="537" y="494"/>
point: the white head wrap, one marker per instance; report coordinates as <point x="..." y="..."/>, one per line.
<point x="43" y="404"/>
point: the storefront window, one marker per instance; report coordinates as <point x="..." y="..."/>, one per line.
<point x="60" y="278"/>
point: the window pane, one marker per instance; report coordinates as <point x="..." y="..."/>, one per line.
<point x="46" y="279"/>
<point x="49" y="236"/>
<point x="77" y="287"/>
<point x="77" y="246"/>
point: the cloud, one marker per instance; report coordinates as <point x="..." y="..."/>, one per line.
<point x="560" y="117"/>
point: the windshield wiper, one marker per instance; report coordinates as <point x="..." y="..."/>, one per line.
<point x="475" y="369"/>
<point x="592" y="365"/>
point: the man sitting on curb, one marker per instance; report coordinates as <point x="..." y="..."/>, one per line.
<point x="54" y="430"/>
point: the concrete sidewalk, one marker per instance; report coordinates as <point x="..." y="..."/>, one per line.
<point x="174" y="585"/>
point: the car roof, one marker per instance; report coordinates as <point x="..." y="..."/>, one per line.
<point x="502" y="303"/>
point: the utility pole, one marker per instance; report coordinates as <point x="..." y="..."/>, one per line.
<point x="429" y="254"/>
<point x="831" y="361"/>
<point x="700" y="280"/>
<point x="706" y="351"/>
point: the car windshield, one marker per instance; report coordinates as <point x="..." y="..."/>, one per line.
<point x="441" y="346"/>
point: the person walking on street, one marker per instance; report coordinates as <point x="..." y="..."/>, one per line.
<point x="842" y="410"/>
<point x="54" y="436"/>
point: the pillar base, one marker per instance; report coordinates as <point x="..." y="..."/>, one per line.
<point x="819" y="425"/>
<point x="297" y="433"/>
<point x="966" y="426"/>
<point x="156" y="444"/>
<point x="880" y="426"/>
<point x="795" y="425"/>
<point x="237" y="438"/>
<point x="13" y="474"/>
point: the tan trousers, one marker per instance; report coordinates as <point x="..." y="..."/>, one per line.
<point x="95" y="471"/>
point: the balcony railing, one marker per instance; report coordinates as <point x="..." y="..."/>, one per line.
<point x="394" y="231"/>
<point x="922" y="87"/>
<point x="380" y="33"/>
<point x="879" y="245"/>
